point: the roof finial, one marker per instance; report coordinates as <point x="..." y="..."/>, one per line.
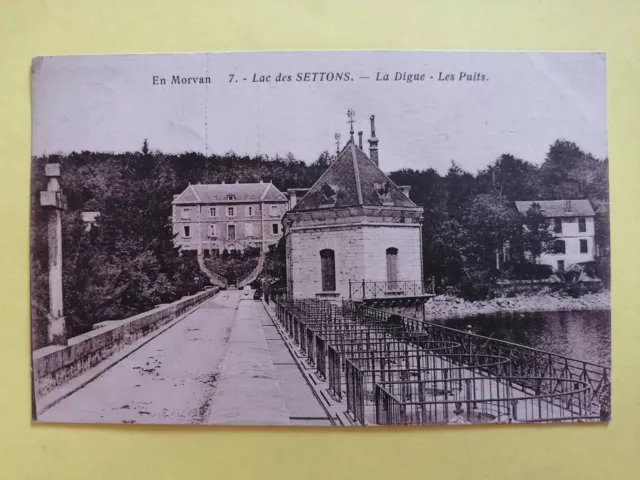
<point x="373" y="125"/>
<point x="337" y="136"/>
<point x="360" y="139"/>
<point x="351" y="114"/>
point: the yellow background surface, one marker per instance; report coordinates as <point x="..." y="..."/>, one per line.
<point x="47" y="27"/>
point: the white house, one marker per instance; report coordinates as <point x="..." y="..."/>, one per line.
<point x="572" y="224"/>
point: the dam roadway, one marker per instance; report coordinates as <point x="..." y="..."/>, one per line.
<point x="224" y="363"/>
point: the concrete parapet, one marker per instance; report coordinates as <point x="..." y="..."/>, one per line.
<point x="55" y="365"/>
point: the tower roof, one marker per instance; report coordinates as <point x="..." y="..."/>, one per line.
<point x="352" y="180"/>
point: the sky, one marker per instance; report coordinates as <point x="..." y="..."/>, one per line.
<point x="526" y="102"/>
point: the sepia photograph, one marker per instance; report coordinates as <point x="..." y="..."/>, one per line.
<point x="345" y="238"/>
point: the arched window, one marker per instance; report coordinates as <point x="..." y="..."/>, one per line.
<point x="231" y="196"/>
<point x="559" y="247"/>
<point x="392" y="267"/>
<point x="328" y="271"/>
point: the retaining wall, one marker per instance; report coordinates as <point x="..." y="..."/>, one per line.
<point x="55" y="365"/>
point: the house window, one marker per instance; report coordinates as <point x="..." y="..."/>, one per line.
<point x="185" y="214"/>
<point x="561" y="265"/>
<point x="275" y="228"/>
<point x="559" y="247"/>
<point x="186" y="231"/>
<point x="328" y="271"/>
<point x="557" y="225"/>
<point x="248" y="229"/>
<point x="231" y="196"/>
<point x="213" y="212"/>
<point x="231" y="211"/>
<point x="212" y="230"/>
<point x="392" y="268"/>
<point x="249" y="211"/>
<point x="584" y="247"/>
<point x="231" y="232"/>
<point x="582" y="224"/>
<point x="275" y="210"/>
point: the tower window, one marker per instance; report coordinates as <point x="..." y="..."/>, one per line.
<point x="185" y="214"/>
<point x="328" y="270"/>
<point x="275" y="210"/>
<point x="275" y="229"/>
<point x="559" y="247"/>
<point x="392" y="267"/>
<point x="186" y="231"/>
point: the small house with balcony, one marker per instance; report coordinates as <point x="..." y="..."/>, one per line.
<point x="572" y="224"/>
<point x="354" y="233"/>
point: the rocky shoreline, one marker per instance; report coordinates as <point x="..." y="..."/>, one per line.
<point x="446" y="307"/>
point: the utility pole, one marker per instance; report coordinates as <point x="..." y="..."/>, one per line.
<point x="53" y="201"/>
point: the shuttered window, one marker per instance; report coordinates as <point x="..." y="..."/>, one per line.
<point x="392" y="267"/>
<point x="328" y="261"/>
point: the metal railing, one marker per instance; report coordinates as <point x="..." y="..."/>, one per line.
<point x="363" y="290"/>
<point x="481" y="400"/>
<point x="428" y="369"/>
<point x="332" y="336"/>
<point x="525" y="362"/>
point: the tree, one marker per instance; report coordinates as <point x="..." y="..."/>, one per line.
<point x="536" y="236"/>
<point x="493" y="222"/>
<point x="510" y="178"/>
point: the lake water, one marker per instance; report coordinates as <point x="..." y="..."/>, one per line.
<point x="583" y="335"/>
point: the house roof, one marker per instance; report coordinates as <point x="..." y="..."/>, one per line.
<point x="351" y="180"/>
<point x="559" y="208"/>
<point x="219" y="193"/>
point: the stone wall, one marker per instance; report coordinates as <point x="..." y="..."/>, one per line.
<point x="55" y="365"/>
<point x="304" y="256"/>
<point x="376" y="242"/>
<point x="360" y="253"/>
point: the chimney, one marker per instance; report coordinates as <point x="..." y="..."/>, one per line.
<point x="567" y="206"/>
<point x="293" y="198"/>
<point x="360" y="139"/>
<point x="373" y="142"/>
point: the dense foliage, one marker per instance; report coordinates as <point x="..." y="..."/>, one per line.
<point x="127" y="263"/>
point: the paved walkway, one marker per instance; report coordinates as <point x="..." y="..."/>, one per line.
<point x="224" y="363"/>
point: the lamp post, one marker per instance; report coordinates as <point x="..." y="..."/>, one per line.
<point x="53" y="202"/>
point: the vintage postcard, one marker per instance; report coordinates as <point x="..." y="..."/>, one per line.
<point x="321" y="238"/>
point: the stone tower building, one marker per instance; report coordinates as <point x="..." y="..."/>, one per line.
<point x="354" y="225"/>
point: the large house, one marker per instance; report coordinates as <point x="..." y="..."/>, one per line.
<point x="573" y="228"/>
<point x="354" y="230"/>
<point x="230" y="216"/>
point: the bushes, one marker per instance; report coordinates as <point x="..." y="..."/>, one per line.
<point x="474" y="290"/>
<point x="524" y="270"/>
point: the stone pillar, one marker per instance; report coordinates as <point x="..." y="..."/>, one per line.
<point x="53" y="201"/>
